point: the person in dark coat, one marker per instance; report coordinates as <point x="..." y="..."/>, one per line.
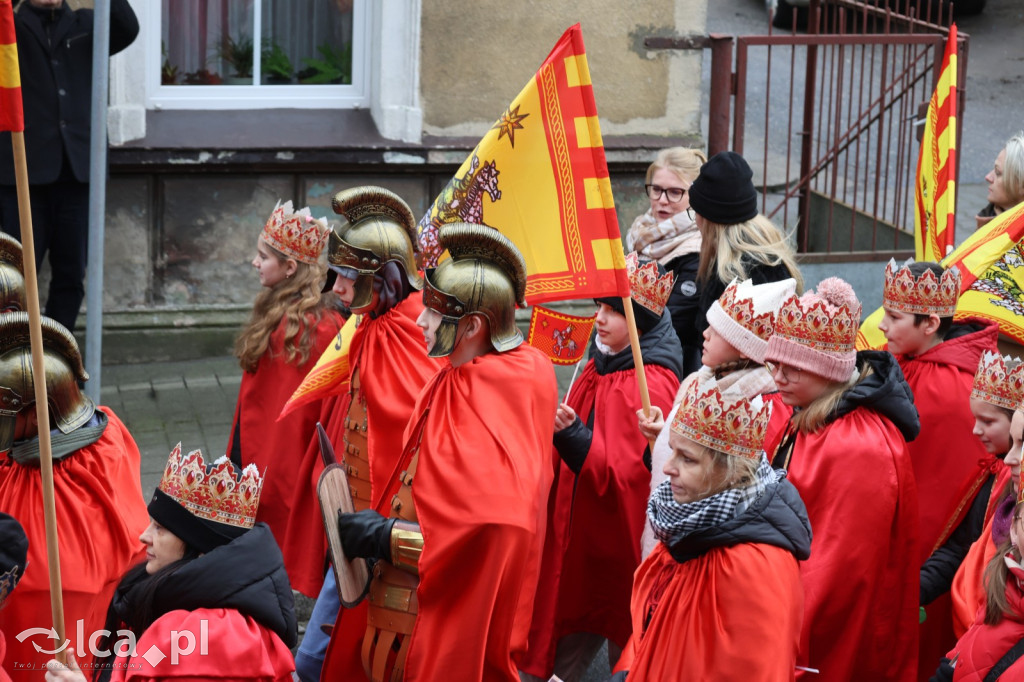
<point x="55" y="56"/>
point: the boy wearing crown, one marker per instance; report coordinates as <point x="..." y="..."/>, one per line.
<point x="372" y="264"/>
<point x="951" y="468"/>
<point x="97" y="491"/>
<point x="602" y="482"/>
<point x="461" y="522"/>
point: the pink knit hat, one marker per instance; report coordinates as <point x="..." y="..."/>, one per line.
<point x="816" y="332"/>
<point x="745" y="314"/>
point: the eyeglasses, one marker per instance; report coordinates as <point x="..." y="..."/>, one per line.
<point x="674" y="194"/>
<point x="791" y="375"/>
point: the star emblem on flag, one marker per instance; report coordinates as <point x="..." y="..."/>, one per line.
<point x="508" y="123"/>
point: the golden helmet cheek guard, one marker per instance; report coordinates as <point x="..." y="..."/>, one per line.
<point x="486" y="275"/>
<point x="381" y="229"/>
<point x="12" y="279"/>
<point x="69" y="407"/>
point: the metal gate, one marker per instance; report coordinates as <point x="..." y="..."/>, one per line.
<point x="829" y="121"/>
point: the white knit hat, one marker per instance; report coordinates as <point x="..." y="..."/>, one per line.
<point x="745" y="314"/>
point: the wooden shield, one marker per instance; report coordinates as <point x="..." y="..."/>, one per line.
<point x="332" y="489"/>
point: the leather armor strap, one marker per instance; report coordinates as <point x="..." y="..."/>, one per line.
<point x="389" y="623"/>
<point x="356" y="448"/>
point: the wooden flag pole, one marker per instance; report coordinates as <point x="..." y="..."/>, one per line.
<point x="39" y="380"/>
<point x="638" y="361"/>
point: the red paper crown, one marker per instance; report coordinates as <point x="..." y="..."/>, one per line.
<point x="734" y="427"/>
<point x="999" y="381"/>
<point x="821" y="326"/>
<point x="922" y="296"/>
<point x="296" y="234"/>
<point x="741" y="310"/>
<point x="217" y="493"/>
<point x="646" y="287"/>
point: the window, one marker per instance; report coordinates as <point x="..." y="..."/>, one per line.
<point x="234" y="54"/>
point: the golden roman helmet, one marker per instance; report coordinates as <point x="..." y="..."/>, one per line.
<point x="485" y="275"/>
<point x="69" y="407"/>
<point x="380" y="229"/>
<point x="12" y="278"/>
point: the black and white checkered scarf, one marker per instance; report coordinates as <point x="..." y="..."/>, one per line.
<point x="672" y="521"/>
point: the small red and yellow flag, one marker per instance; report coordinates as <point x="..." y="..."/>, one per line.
<point x="935" y="187"/>
<point x="330" y="374"/>
<point x="562" y="337"/>
<point x="12" y="116"/>
<point x="540" y="177"/>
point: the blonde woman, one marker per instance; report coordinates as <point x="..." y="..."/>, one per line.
<point x="1005" y="180"/>
<point x="737" y="242"/>
<point x="667" y="233"/>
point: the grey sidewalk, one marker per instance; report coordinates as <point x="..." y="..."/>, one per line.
<point x="163" y="403"/>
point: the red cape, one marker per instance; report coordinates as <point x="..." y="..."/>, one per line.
<point x="480" y="493"/>
<point x="4" y="677"/>
<point x="390" y="355"/>
<point x="706" y="627"/>
<point x="271" y="444"/>
<point x="238" y="649"/>
<point x="596" y="519"/>
<point x="100" y="515"/>
<point x="968" y="590"/>
<point x="861" y="582"/>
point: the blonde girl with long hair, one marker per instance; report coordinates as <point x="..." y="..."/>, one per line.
<point x="291" y="324"/>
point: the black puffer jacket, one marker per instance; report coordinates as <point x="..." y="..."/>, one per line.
<point x="777" y="518"/>
<point x="885" y="391"/>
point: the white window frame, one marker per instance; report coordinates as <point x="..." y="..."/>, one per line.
<point x="259" y="95"/>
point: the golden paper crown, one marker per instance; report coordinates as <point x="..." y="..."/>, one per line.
<point x="922" y="296"/>
<point x="296" y="234"/>
<point x="646" y="286"/>
<point x="999" y="381"/>
<point x="216" y="493"/>
<point x="813" y="321"/>
<point x="741" y="310"/>
<point x="735" y="427"/>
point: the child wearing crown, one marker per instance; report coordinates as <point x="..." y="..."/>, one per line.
<point x="994" y="639"/>
<point x="740" y="323"/>
<point x="291" y="324"/>
<point x="951" y="467"/>
<point x="997" y="392"/>
<point x="210" y="571"/>
<point x="602" y="482"/>
<point x="720" y="597"/>
<point x="846" y="452"/>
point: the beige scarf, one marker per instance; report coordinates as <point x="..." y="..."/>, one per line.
<point x="666" y="240"/>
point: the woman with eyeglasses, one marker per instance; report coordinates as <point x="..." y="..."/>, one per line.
<point x="846" y="453"/>
<point x="667" y="233"/>
<point x="737" y="242"/>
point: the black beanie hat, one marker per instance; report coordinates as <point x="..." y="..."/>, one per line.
<point x="724" y="192"/>
<point x="13" y="554"/>
<point x="646" y="320"/>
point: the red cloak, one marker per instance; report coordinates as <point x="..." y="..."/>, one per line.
<point x="596" y="519"/>
<point x="950" y="464"/>
<point x="718" y="618"/>
<point x="968" y="589"/>
<point x="267" y="442"/>
<point x="4" y="677"/>
<point x="391" y="357"/>
<point x="480" y="493"/>
<point x="238" y="649"/>
<point x="100" y="515"/>
<point x="861" y="582"/>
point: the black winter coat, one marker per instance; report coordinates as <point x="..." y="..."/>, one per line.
<point x="56" y="87"/>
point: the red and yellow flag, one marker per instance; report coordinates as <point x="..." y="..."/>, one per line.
<point x="991" y="263"/>
<point x="935" y="189"/>
<point x="540" y="177"/>
<point x="329" y="375"/>
<point x="12" y="116"/>
<point x="562" y="337"/>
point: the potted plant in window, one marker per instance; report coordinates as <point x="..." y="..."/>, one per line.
<point x="238" y="54"/>
<point x="275" y="65"/>
<point x="335" y="66"/>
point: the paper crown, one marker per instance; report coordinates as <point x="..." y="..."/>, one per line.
<point x="215" y="493"/>
<point x="924" y="295"/>
<point x="296" y="234"/>
<point x="813" y="321"/>
<point x="645" y="285"/>
<point x="999" y="381"/>
<point x="733" y="426"/>
<point x="753" y="306"/>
